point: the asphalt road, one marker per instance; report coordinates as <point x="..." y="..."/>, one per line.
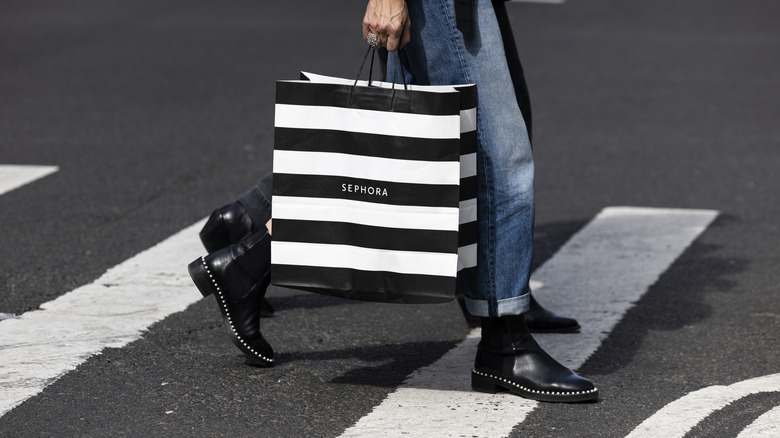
<point x="158" y="112"/>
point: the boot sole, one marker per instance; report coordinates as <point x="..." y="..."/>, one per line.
<point x="572" y="329"/>
<point x="207" y="285"/>
<point x="489" y="383"/>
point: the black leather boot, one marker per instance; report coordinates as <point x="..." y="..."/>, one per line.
<point x="228" y="225"/>
<point x="541" y="320"/>
<point x="238" y="277"/>
<point x="538" y="319"/>
<point x="509" y="359"/>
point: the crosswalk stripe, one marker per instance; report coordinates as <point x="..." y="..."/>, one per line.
<point x="765" y="426"/>
<point x="595" y="277"/>
<point x="13" y="176"/>
<point x="39" y="346"/>
<point x="677" y="418"/>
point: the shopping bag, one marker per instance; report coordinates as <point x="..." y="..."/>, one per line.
<point x="374" y="189"/>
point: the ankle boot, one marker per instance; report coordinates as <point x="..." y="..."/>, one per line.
<point x="228" y="225"/>
<point x="541" y="320"/>
<point x="238" y="277"/>
<point x="509" y="359"/>
<point x="538" y="319"/>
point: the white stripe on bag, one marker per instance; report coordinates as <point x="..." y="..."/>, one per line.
<point x="468" y="120"/>
<point x="468" y="165"/>
<point x="373" y="168"/>
<point x="467" y="256"/>
<point x="366" y="213"/>
<point x="364" y="259"/>
<point x="367" y="121"/>
<point x="468" y="211"/>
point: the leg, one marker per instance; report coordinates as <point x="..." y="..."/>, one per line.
<point x="515" y="66"/>
<point x="440" y="54"/>
<point x="538" y="318"/>
<point x="508" y="358"/>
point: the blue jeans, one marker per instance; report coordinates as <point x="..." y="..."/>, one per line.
<point x="439" y="54"/>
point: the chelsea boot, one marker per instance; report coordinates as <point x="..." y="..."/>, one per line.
<point x="238" y="276"/>
<point x="509" y="359"/>
<point x="228" y="225"/>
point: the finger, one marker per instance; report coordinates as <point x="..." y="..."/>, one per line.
<point x="406" y="36"/>
<point x="394" y="33"/>
<point x="392" y="44"/>
<point x="366" y="28"/>
<point x="368" y="24"/>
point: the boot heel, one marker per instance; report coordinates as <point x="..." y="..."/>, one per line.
<point x="482" y="383"/>
<point x="214" y="234"/>
<point x="200" y="276"/>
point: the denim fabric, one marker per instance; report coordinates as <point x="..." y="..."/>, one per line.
<point x="439" y="54"/>
<point x="515" y="66"/>
<point x="512" y="57"/>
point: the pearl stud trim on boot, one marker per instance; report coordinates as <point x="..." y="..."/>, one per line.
<point x="237" y="338"/>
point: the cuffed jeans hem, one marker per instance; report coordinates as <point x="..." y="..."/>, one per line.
<point x="509" y="306"/>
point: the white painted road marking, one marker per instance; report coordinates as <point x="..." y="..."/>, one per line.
<point x="680" y="416"/>
<point x="623" y="251"/>
<point x="596" y="277"/>
<point x="13" y="176"/>
<point x="765" y="426"/>
<point x="40" y="346"/>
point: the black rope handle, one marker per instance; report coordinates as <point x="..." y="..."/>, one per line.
<point x="398" y="63"/>
<point x="371" y="74"/>
<point x="371" y="68"/>
<point x="362" y="64"/>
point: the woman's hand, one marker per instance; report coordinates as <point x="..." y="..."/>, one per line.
<point x="389" y="21"/>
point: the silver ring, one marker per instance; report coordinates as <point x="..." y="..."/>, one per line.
<point x="372" y="40"/>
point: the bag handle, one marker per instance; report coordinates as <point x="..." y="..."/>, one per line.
<point x="372" y="51"/>
<point x="398" y="63"/>
<point x="371" y="73"/>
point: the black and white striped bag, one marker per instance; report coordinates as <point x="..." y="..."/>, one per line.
<point x="374" y="189"/>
